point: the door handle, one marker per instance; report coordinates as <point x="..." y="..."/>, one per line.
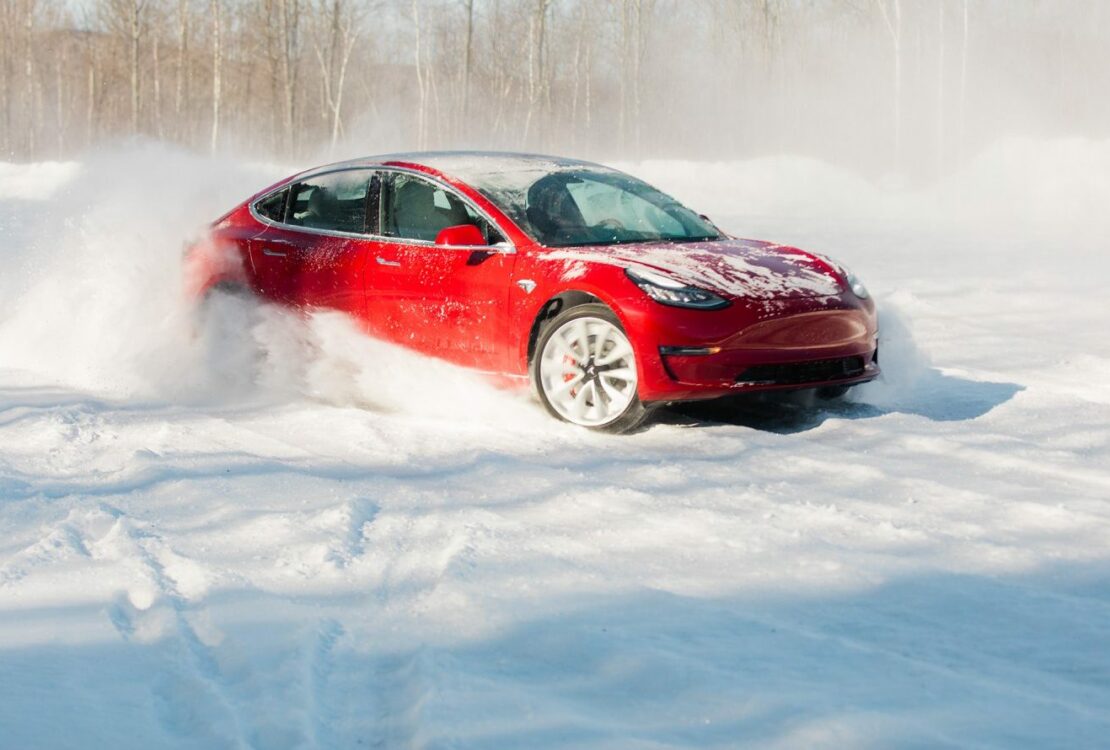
<point x="383" y="262"/>
<point x="273" y="253"/>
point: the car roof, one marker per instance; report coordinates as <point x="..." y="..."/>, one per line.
<point x="468" y="166"/>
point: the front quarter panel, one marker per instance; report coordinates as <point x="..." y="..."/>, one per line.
<point x="555" y="276"/>
<point x="747" y="332"/>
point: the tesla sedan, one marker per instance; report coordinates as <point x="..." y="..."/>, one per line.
<point x="606" y="294"/>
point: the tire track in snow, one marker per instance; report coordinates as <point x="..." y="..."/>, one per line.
<point x="995" y="683"/>
<point x="59" y="541"/>
<point x="323" y="715"/>
<point x="401" y="686"/>
<point x="150" y="550"/>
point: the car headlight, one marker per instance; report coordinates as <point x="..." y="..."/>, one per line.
<point x="668" y="291"/>
<point x="856" y="285"/>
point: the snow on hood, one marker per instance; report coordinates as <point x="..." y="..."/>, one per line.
<point x="734" y="267"/>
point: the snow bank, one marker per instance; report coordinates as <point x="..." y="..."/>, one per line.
<point x="36" y="181"/>
<point x="1055" y="189"/>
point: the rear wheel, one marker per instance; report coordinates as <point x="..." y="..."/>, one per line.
<point x="585" y="370"/>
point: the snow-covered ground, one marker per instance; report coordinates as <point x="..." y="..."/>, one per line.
<point x="272" y="533"/>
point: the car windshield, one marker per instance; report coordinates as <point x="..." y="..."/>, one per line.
<point x="586" y="206"/>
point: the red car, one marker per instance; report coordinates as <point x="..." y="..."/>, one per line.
<point x="607" y="294"/>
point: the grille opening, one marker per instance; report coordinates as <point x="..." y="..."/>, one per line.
<point x="803" y="372"/>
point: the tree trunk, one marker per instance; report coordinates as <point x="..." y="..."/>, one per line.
<point x="290" y="21"/>
<point x="467" y="58"/>
<point x="157" y="87"/>
<point x="181" y="93"/>
<point x="421" y="83"/>
<point x="29" y="75"/>
<point x="217" y="62"/>
<point x="940" y="88"/>
<point x="963" y="79"/>
<point x="60" y="64"/>
<point x="90" y="107"/>
<point x="135" y="9"/>
<point x="6" y="45"/>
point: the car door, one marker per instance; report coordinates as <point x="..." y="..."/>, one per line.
<point x="448" y="302"/>
<point x="270" y="252"/>
<point x="316" y="256"/>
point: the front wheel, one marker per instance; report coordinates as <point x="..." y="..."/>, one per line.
<point x="585" y="370"/>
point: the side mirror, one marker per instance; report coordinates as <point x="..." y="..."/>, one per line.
<point x="461" y="235"/>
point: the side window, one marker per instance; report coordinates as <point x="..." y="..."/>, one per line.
<point x="272" y="207"/>
<point x="415" y="209"/>
<point x="335" y="202"/>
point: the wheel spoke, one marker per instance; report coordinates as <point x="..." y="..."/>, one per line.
<point x="611" y="392"/>
<point x="565" y="385"/>
<point x="597" y="406"/>
<point x="564" y="347"/>
<point x="621" y="351"/>
<point x="600" y="341"/>
<point x="626" y="374"/>
<point x="581" y="338"/>
<point x="578" y="404"/>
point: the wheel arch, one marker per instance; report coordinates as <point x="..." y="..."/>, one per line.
<point x="564" y="300"/>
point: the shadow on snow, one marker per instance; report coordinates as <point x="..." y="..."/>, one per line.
<point x="933" y="395"/>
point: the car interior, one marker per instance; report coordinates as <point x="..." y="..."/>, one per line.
<point x="419" y="211"/>
<point x="317" y="206"/>
<point x="411" y="208"/>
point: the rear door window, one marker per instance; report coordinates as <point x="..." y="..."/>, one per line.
<point x="335" y="202"/>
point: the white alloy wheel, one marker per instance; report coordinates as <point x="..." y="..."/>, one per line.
<point x="587" y="372"/>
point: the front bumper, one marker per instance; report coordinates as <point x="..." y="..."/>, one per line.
<point x="810" y="346"/>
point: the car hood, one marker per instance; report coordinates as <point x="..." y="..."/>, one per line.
<point x="733" y="267"/>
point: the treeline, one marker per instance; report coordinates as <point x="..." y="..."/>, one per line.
<point x="904" y="85"/>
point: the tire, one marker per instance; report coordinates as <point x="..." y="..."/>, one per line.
<point x="600" y="394"/>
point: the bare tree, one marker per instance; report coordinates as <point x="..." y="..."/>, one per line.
<point x="940" y="86"/>
<point x="289" y="26"/>
<point x="963" y="77"/>
<point x="537" y="78"/>
<point x="217" y="71"/>
<point x="334" y="37"/>
<point x="421" y="79"/>
<point x="468" y="49"/>
<point x="181" y="92"/>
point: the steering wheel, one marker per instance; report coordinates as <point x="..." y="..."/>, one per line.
<point x="612" y="224"/>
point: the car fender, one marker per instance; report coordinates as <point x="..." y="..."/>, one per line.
<point x="550" y="279"/>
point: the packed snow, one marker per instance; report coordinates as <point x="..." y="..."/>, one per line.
<point x="252" y="530"/>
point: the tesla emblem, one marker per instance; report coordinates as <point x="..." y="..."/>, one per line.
<point x="527" y="285"/>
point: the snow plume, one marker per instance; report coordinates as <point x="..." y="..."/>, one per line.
<point x="904" y="364"/>
<point x="95" y="298"/>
